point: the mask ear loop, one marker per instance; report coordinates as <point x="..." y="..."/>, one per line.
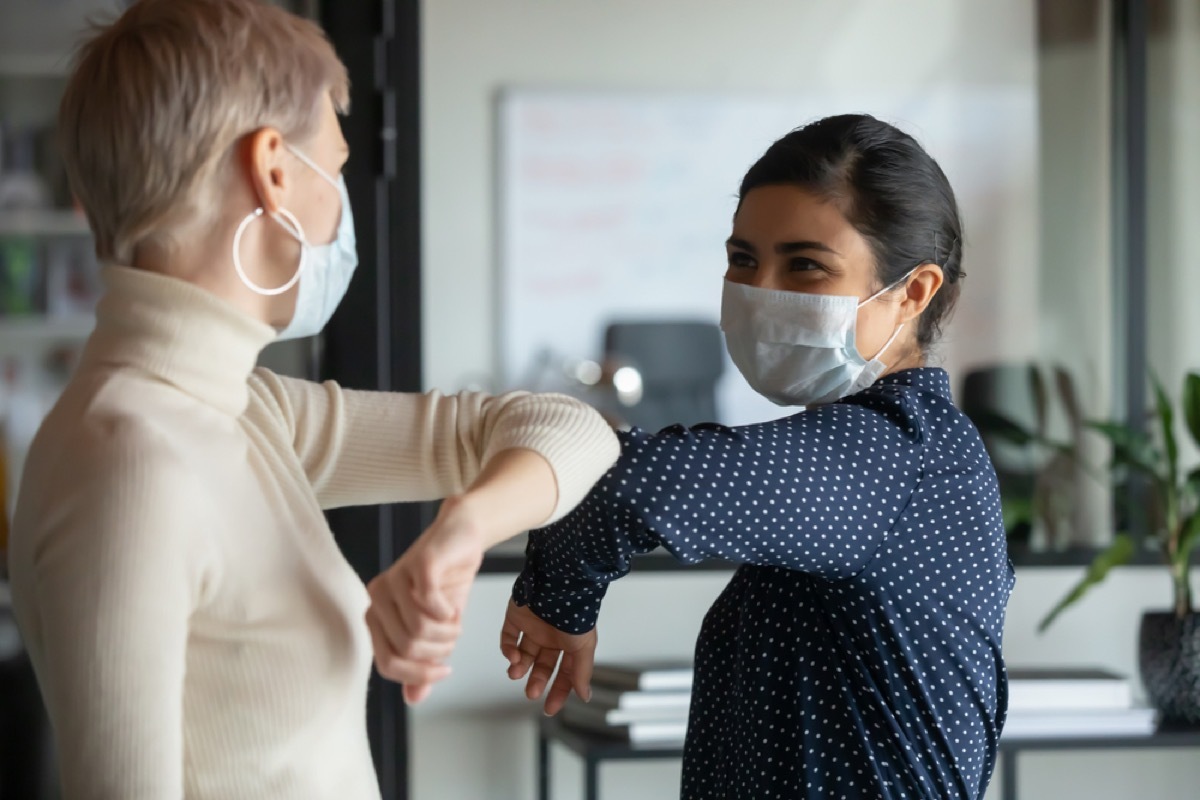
<point x="881" y="293"/>
<point x="294" y="228"/>
<point x="899" y="328"/>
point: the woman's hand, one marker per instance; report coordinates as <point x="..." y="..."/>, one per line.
<point x="416" y="609"/>
<point x="534" y="646"/>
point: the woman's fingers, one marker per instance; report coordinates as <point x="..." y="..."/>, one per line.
<point x="396" y="667"/>
<point x="428" y="652"/>
<point x="431" y="641"/>
<point x="583" y="661"/>
<point x="410" y="633"/>
<point x="510" y="638"/>
<point x="519" y="649"/>
<point x="419" y="626"/>
<point x="560" y="690"/>
<point x="543" y="667"/>
<point x="527" y="654"/>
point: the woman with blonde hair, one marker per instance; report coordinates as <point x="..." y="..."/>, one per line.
<point x="194" y="628"/>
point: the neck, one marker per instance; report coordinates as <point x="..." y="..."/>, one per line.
<point x="912" y="357"/>
<point x="206" y="262"/>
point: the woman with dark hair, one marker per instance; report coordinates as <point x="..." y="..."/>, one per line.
<point x="857" y="650"/>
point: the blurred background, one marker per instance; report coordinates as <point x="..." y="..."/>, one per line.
<point x="542" y="192"/>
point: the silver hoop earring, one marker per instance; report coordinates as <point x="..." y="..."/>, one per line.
<point x="296" y="231"/>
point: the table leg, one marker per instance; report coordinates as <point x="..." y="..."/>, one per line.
<point x="543" y="765"/>
<point x="1008" y="774"/>
<point x="591" y="780"/>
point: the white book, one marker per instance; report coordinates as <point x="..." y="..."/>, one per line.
<point x="617" y="698"/>
<point x="597" y="716"/>
<point x="656" y="732"/>
<point x="661" y="732"/>
<point x="647" y="676"/>
<point x="1082" y="724"/>
<point x="1067" y="689"/>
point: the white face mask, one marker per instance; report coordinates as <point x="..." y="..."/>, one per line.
<point x="795" y="348"/>
<point x="326" y="268"/>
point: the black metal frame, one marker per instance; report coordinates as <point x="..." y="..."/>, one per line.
<point x="1130" y="89"/>
<point x="379" y="41"/>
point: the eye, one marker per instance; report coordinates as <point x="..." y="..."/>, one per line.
<point x="737" y="258"/>
<point x="804" y="265"/>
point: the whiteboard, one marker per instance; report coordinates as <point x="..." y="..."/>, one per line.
<point x="616" y="205"/>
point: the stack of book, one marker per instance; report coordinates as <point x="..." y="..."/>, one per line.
<point x="1046" y="703"/>
<point x="642" y="703"/>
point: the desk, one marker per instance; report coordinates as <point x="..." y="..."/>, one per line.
<point x="1165" y="737"/>
<point x="595" y="749"/>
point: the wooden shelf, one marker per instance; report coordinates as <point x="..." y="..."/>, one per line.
<point x="57" y="223"/>
<point x="19" y="332"/>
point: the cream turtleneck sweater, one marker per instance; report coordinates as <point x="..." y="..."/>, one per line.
<point x="195" y="630"/>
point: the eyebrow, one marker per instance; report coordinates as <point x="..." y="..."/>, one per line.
<point x="783" y="248"/>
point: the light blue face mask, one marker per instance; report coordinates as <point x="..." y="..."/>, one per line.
<point x="799" y="349"/>
<point x="325" y="270"/>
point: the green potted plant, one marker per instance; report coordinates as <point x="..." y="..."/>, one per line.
<point x="1169" y="641"/>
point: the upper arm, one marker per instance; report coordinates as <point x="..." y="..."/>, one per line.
<point x="116" y="573"/>
<point x="815" y="492"/>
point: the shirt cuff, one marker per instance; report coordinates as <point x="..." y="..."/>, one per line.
<point x="570" y="604"/>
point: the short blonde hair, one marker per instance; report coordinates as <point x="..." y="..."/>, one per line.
<point x="158" y="99"/>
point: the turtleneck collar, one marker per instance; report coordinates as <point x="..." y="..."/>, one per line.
<point x="178" y="333"/>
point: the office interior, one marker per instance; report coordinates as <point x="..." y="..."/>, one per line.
<point x="509" y="239"/>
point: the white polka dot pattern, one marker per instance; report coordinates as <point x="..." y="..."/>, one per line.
<point x="856" y="651"/>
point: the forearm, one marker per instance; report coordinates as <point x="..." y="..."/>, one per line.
<point x="515" y="491"/>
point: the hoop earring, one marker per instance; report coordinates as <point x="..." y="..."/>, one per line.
<point x="296" y="230"/>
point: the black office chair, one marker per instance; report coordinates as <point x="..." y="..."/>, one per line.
<point x="680" y="363"/>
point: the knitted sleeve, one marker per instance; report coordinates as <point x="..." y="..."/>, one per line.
<point x="361" y="448"/>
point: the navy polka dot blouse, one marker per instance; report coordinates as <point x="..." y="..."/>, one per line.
<point x="856" y="651"/>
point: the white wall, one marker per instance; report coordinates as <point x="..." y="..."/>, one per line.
<point x="474" y="47"/>
<point x="473" y="739"/>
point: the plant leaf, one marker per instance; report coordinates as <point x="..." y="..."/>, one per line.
<point x="1189" y="539"/>
<point x="1191" y="404"/>
<point x="1116" y="554"/>
<point x="1041" y="403"/>
<point x="1192" y="484"/>
<point x="1131" y="448"/>
<point x="1070" y="400"/>
<point x="1166" y="421"/>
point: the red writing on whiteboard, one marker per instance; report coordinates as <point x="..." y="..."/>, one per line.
<point x="574" y="171"/>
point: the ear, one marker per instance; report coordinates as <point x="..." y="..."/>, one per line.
<point x="922" y="285"/>
<point x="263" y="156"/>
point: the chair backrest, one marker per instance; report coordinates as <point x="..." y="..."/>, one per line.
<point x="680" y="363"/>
